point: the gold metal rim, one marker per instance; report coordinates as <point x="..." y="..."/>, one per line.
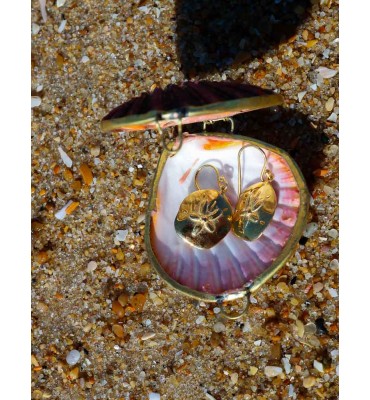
<point x="277" y="264"/>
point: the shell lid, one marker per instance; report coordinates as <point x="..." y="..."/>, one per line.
<point x="191" y="102"/>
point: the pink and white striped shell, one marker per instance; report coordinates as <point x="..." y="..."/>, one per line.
<point x="233" y="262"/>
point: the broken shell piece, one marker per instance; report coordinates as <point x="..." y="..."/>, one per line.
<point x="43" y="10"/>
<point x="86" y="173"/>
<point x="272" y="371"/>
<point x="121" y="235"/>
<point x="63" y="211"/>
<point x="72" y="207"/>
<point x="148" y="335"/>
<point x="326" y="73"/>
<point x="35" y="101"/>
<point x="65" y="157"/>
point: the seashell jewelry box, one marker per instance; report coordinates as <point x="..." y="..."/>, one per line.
<point x="197" y="245"/>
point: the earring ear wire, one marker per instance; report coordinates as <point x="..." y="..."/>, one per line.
<point x="266" y="174"/>
<point x="221" y="181"/>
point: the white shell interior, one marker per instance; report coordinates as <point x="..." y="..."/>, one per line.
<point x="233" y="262"/>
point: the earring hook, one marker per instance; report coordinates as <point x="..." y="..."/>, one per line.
<point x="220" y="179"/>
<point x="266" y="174"/>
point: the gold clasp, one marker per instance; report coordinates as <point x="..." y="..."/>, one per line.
<point x="210" y="122"/>
<point x="236" y="315"/>
<point x="169" y="146"/>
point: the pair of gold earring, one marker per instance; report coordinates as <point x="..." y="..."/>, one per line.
<point x="205" y="216"/>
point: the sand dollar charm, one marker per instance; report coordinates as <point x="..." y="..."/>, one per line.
<point x="204" y="217"/>
<point x="254" y="211"/>
<point x="256" y="205"/>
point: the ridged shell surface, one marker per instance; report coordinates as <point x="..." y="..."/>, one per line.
<point x="233" y="262"/>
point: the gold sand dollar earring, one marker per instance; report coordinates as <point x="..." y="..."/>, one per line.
<point x="256" y="205"/>
<point x="204" y="217"/>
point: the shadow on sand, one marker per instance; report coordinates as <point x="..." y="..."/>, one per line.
<point x="216" y="34"/>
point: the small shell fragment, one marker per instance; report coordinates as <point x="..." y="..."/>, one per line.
<point x="86" y="173"/>
<point x="95" y="151"/>
<point x="219" y="327"/>
<point x="272" y="371"/>
<point x="328" y="190"/>
<point x="72" y="207"/>
<point x="300" y="328"/>
<point x="148" y="335"/>
<point x="310" y="328"/>
<point x="62" y="212"/>
<point x="73" y="357"/>
<point x="35" y="28"/>
<point x="286" y="364"/>
<point x="310" y="229"/>
<point x="155" y="299"/>
<point x="309" y="381"/>
<point x="317" y="287"/>
<point x="43" y="9"/>
<point x="65" y="158"/>
<point x="326" y="73"/>
<point x="91" y="266"/>
<point x="60" y="3"/>
<point x="332" y="150"/>
<point x="234" y="378"/>
<point x="333" y="117"/>
<point x="200" y="320"/>
<point x="62" y="26"/>
<point x="318" y="366"/>
<point x="34" y="361"/>
<point x="301" y="95"/>
<point x="118" y="331"/>
<point x="121" y="235"/>
<point x="329" y="105"/>
<point x="333" y="233"/>
<point x="35" y="101"/>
